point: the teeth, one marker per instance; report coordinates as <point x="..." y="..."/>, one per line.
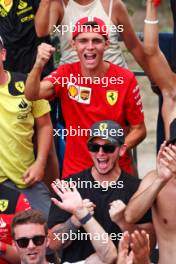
<point x="102" y="160"/>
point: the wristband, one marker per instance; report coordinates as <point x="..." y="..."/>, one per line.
<point x="3" y="248"/>
<point x="151" y="22"/>
<point x="156" y="2"/>
<point x="85" y="219"/>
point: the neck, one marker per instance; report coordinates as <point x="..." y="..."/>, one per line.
<point x="3" y="77"/>
<point x="100" y="71"/>
<point x="113" y="175"/>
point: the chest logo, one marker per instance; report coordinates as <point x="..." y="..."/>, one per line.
<point x="6" y="4"/>
<point x="112" y="97"/>
<point x="3" y="205"/>
<point x="20" y="86"/>
<point x="79" y="93"/>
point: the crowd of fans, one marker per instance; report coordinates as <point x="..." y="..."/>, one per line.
<point x="95" y="210"/>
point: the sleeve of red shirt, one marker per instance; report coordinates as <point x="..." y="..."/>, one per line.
<point x="22" y="203"/>
<point x="133" y="106"/>
<point x="57" y="79"/>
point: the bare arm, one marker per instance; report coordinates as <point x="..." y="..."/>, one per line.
<point x="117" y="210"/>
<point x="158" y="65"/>
<point x="133" y="44"/>
<point x="73" y="203"/>
<point x="49" y="13"/>
<point x="34" y="88"/>
<point x="136" y="135"/>
<point x="151" y="185"/>
<point x="35" y="172"/>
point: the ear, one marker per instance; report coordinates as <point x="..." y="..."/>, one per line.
<point x="3" y="54"/>
<point x="48" y="239"/>
<point x="73" y="44"/>
<point x="13" y="243"/>
<point x="107" y="43"/>
<point x="122" y="150"/>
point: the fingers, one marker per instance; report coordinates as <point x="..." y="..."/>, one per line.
<point x="140" y="244"/>
<point x="44" y="53"/>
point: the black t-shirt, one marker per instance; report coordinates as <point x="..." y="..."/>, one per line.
<point x="18" y="32"/>
<point x="123" y="190"/>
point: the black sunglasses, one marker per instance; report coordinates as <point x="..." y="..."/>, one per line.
<point x="23" y="242"/>
<point x="107" y="148"/>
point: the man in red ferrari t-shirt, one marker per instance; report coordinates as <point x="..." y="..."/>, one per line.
<point x="11" y="202"/>
<point x="90" y="90"/>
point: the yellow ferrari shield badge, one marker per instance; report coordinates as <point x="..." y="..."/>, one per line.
<point x="6" y="4"/>
<point x="112" y="97"/>
<point x="19" y="86"/>
<point x="3" y="205"/>
<point x="103" y="126"/>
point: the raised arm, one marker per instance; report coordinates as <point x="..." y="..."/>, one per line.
<point x="134" y="45"/>
<point x="73" y="203"/>
<point x="34" y="88"/>
<point x="49" y="13"/>
<point x="151" y="185"/>
<point x="159" y="68"/>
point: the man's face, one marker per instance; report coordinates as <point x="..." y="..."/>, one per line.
<point x="90" y="47"/>
<point x="104" y="162"/>
<point x="32" y="254"/>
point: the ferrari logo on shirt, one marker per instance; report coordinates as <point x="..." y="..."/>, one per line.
<point x="3" y="205"/>
<point x="6" y="4"/>
<point x="20" y="86"/>
<point x="112" y="97"/>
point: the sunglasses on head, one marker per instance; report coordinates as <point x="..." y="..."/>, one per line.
<point x="107" y="148"/>
<point x="24" y="241"/>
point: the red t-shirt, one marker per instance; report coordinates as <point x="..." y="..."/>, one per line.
<point x="11" y="202"/>
<point x="115" y="96"/>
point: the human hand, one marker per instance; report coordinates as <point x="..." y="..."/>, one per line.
<point x="34" y="173"/>
<point x="44" y="52"/>
<point x="71" y="199"/>
<point x="140" y="247"/>
<point x="123" y="248"/>
<point x="166" y="162"/>
<point x="116" y="211"/>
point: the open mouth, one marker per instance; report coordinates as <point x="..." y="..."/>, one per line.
<point x="90" y="57"/>
<point x="102" y="163"/>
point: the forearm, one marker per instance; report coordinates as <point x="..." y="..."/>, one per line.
<point x="32" y="86"/>
<point x="60" y="232"/>
<point x="141" y="202"/>
<point x="42" y="18"/>
<point x="44" y="143"/>
<point x="135" y="136"/>
<point x="11" y="255"/>
<point x="151" y="45"/>
<point x="104" y="247"/>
